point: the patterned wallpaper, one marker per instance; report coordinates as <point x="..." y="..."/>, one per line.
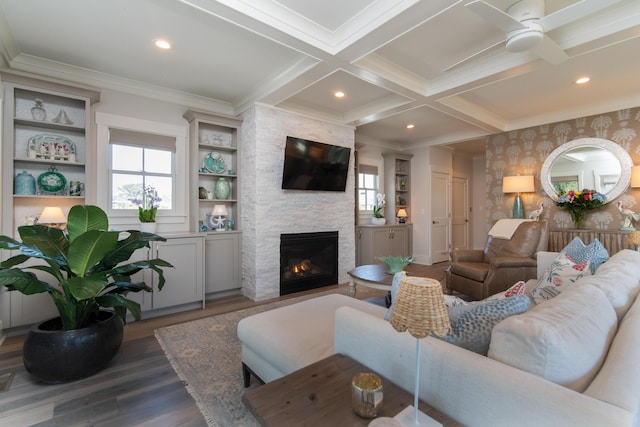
<point x="523" y="152"/>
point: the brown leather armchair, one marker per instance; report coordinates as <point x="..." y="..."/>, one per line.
<point x="482" y="273"/>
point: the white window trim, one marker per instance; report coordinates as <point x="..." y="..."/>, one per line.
<point x="104" y="121"/>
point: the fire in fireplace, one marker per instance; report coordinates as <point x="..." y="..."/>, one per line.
<point x="308" y="261"/>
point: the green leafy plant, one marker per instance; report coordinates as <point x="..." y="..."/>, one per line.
<point x="378" y="211"/>
<point x="148" y="204"/>
<point x="87" y="263"/>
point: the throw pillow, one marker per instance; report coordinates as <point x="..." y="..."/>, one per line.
<point x="594" y="252"/>
<point x="395" y="288"/>
<point x="518" y="289"/>
<point x="472" y="329"/>
<point x="563" y="272"/>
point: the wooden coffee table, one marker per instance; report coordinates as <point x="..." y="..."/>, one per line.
<point x="372" y="276"/>
<point x="320" y="395"/>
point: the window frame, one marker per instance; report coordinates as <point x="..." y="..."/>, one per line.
<point x="364" y="169"/>
<point x="178" y="216"/>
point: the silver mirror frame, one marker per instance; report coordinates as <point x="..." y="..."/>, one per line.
<point x="621" y="154"/>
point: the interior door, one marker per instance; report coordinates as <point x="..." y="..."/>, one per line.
<point x="459" y="213"/>
<point x="440" y="216"/>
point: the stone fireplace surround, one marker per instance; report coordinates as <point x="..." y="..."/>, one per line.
<point x="267" y="211"/>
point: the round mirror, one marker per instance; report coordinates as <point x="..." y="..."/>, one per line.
<point x="593" y="163"/>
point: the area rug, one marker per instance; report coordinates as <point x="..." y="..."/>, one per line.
<point x="206" y="355"/>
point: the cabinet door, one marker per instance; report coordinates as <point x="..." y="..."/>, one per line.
<point x="184" y="282"/>
<point x="380" y="244"/>
<point x="400" y="241"/>
<point x="222" y="267"/>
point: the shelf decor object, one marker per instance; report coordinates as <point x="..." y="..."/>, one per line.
<point x="222" y="189"/>
<point x="518" y="184"/>
<point x="214" y="163"/>
<point x="52" y="181"/>
<point x="51" y="147"/>
<point x="38" y="112"/>
<point x="62" y="118"/>
<point x="24" y="184"/>
<point x="419" y="309"/>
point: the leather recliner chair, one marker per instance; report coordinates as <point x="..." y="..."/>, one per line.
<point x="503" y="262"/>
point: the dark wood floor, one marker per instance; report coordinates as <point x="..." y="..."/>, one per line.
<point x="139" y="388"/>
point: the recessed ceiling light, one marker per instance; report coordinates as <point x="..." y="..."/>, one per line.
<point x="410" y="126"/>
<point x="162" y="44"/>
<point x="582" y="80"/>
<point x="338" y="94"/>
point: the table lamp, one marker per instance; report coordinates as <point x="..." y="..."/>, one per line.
<point x="402" y="215"/>
<point x="518" y="184"/>
<point x="419" y="309"/>
<point x="53" y="217"/>
<point x="219" y="213"/>
<point x="635" y="176"/>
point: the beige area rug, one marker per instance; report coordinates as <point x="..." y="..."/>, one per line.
<point x="206" y="355"/>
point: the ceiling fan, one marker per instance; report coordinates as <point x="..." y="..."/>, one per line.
<point x="525" y="25"/>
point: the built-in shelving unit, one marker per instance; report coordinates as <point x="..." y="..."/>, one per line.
<point x="397" y="178"/>
<point x="45" y="139"/>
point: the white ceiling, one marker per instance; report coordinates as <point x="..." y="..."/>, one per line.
<point x="388" y="56"/>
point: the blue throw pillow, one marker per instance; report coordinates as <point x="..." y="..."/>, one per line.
<point x="472" y="329"/>
<point x="395" y="288"/>
<point x="595" y="253"/>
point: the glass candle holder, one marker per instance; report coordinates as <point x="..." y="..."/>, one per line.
<point x="366" y="395"/>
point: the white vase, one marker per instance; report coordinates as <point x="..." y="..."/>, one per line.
<point x="148" y="227"/>
<point x="378" y="221"/>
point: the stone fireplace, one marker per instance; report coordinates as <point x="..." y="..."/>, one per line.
<point x="308" y="261"/>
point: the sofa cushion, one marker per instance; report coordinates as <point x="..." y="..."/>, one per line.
<point x="564" y="340"/>
<point x="594" y="252"/>
<point x="472" y="323"/>
<point x="619" y="279"/>
<point x="561" y="274"/>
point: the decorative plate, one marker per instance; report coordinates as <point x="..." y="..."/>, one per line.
<point x="51" y="147"/>
<point x="52" y="182"/>
<point x="214" y="163"/>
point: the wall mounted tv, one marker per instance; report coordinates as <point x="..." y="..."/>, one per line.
<point x="311" y="165"/>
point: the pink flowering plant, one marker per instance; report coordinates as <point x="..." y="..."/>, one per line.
<point x="577" y="202"/>
<point x="148" y="204"/>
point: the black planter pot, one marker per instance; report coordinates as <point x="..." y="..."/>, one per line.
<point x="54" y="355"/>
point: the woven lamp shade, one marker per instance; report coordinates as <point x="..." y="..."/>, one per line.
<point x="419" y="308"/>
<point x="634" y="238"/>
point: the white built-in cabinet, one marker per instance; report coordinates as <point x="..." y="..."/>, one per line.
<point x="397" y="185"/>
<point x="215" y="155"/>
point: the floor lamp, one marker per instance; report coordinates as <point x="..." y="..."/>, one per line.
<point x="419" y="309"/>
<point x="518" y="184"/>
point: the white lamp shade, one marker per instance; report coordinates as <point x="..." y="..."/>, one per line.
<point x="402" y="213"/>
<point x="219" y="210"/>
<point x="52" y="215"/>
<point x="635" y="176"/>
<point x="518" y="184"/>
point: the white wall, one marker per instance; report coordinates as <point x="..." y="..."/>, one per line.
<point x="268" y="211"/>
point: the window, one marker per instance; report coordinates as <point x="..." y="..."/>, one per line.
<point x="139" y="161"/>
<point x="367" y="187"/>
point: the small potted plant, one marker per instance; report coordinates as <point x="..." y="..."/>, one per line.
<point x="87" y="264"/>
<point x="378" y="210"/>
<point x="147" y="208"/>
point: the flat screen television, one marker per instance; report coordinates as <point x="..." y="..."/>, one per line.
<point x="311" y="165"/>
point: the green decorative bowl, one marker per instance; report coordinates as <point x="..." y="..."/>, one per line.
<point x="396" y="263"/>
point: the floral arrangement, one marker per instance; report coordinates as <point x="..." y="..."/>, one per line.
<point x="576" y="202"/>
<point x="148" y="205"/>
<point x="378" y="208"/>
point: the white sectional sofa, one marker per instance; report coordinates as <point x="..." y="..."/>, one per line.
<point x="571" y="361"/>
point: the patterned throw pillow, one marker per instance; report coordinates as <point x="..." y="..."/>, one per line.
<point x="472" y="329"/>
<point x="563" y="272"/>
<point x="518" y="289"/>
<point x="595" y="253"/>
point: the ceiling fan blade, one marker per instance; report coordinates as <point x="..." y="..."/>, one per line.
<point x="470" y="58"/>
<point x="574" y="12"/>
<point x="548" y="50"/>
<point x="497" y="17"/>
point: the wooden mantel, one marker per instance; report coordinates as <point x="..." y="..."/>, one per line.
<point x="613" y="240"/>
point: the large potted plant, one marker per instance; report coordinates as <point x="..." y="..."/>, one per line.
<point x="87" y="264"/>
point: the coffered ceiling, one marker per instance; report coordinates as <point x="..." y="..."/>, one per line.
<point x="441" y="65"/>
